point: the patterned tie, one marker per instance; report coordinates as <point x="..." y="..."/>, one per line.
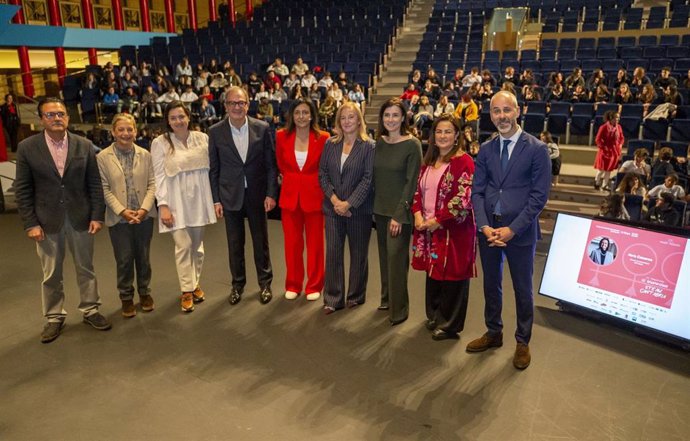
<point x="504" y="155"/>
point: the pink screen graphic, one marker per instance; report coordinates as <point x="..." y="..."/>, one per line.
<point x="645" y="267"/>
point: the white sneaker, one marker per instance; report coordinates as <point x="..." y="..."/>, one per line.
<point x="313" y="296"/>
<point x="291" y="295"/>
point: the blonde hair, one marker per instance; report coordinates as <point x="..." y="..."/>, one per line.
<point x="362" y="125"/>
<point x="124" y="117"/>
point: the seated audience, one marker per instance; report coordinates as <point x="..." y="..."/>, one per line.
<point x="670" y="185"/>
<point x="638" y="165"/>
<point x="631" y="184"/>
<point x="612" y="207"/>
<point x="663" y="211"/>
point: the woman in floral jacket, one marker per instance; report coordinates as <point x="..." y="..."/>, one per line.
<point x="443" y="244"/>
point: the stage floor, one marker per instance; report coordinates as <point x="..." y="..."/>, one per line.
<point x="285" y="371"/>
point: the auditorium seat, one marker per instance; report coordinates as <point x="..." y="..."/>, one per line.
<point x="557" y="121"/>
<point x="630" y="120"/>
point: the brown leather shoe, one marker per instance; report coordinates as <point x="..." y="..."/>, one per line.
<point x="146" y="303"/>
<point x="485" y="342"/>
<point x="128" y="309"/>
<point x="198" y="295"/>
<point x="522" y="358"/>
<point x="187" y="302"/>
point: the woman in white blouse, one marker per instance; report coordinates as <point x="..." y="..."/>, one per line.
<point x="335" y="93"/>
<point x="443" y="106"/>
<point x="183" y="192"/>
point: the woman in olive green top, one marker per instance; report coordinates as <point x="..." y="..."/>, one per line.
<point x="397" y="160"/>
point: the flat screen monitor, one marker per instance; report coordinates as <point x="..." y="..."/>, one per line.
<point x="628" y="272"/>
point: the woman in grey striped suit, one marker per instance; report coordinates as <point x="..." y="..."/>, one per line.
<point x="345" y="175"/>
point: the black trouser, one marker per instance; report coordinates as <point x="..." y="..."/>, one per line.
<point x="234" y="228"/>
<point x="131" y="245"/>
<point x="446" y="303"/>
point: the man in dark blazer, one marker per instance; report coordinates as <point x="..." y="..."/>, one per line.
<point x="60" y="200"/>
<point x="244" y="183"/>
<point x="511" y="186"/>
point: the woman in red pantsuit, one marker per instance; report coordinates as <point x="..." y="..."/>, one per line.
<point x="609" y="142"/>
<point x="298" y="151"/>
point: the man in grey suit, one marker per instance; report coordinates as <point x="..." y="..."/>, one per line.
<point x="243" y="178"/>
<point x="60" y="200"/>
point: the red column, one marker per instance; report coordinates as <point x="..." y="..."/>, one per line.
<point x="25" y="67"/>
<point x="60" y="64"/>
<point x="89" y="23"/>
<point x="249" y="9"/>
<point x="170" y="15"/>
<point x="118" y="21"/>
<point x="93" y="56"/>
<point x="191" y="11"/>
<point x="231" y="12"/>
<point x="54" y="13"/>
<point x="145" y="15"/>
<point x="19" y="17"/>
<point x="55" y="20"/>
<point x="23" y="54"/>
<point x="212" y="12"/>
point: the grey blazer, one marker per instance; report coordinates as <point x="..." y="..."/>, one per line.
<point x="354" y="183"/>
<point x="228" y="172"/>
<point x="44" y="198"/>
<point x="115" y="188"/>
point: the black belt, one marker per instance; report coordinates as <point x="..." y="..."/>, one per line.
<point x="498" y="218"/>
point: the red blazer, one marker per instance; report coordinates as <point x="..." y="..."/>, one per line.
<point x="300" y="187"/>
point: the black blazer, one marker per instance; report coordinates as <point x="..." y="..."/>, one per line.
<point x="355" y="183"/>
<point x="44" y="198"/>
<point x="228" y="172"/>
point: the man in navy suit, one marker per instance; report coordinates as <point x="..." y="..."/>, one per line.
<point x="243" y="175"/>
<point x="511" y="186"/>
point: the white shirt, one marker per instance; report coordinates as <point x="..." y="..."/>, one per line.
<point x="513" y="140"/>
<point x="241" y="139"/>
<point x="677" y="191"/>
<point x="189" y="97"/>
<point x="343" y="158"/>
<point x="308" y="80"/>
<point x="301" y="158"/>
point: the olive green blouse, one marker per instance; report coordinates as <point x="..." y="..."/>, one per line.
<point x="396" y="167"/>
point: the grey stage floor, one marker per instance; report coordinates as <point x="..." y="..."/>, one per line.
<point x="285" y="371"/>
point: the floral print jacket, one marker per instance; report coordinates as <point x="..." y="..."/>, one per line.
<point x="449" y="252"/>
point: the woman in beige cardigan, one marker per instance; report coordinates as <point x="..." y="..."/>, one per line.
<point x="129" y="188"/>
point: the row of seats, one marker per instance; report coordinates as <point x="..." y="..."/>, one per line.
<point x="584" y="119"/>
<point x="616" y="19"/>
<point x="634" y="206"/>
<point x="337" y="46"/>
<point x="620" y="42"/>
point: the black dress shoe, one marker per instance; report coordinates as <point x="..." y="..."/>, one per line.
<point x="430" y="324"/>
<point x="235" y="296"/>
<point x="266" y="295"/>
<point x="398" y="321"/>
<point x="383" y="307"/>
<point x="440" y="334"/>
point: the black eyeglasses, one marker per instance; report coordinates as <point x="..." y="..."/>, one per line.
<point x="235" y="103"/>
<point x="53" y="115"/>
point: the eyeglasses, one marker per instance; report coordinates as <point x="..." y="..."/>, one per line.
<point x="53" y="115"/>
<point x="235" y="103"/>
